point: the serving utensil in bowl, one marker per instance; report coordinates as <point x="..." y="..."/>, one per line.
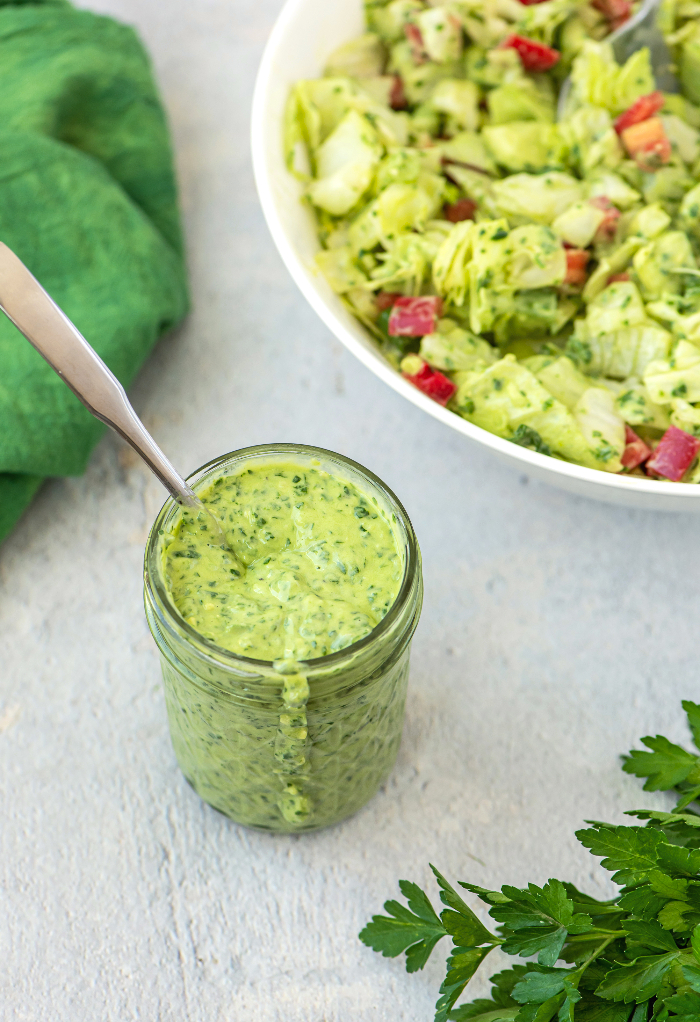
<point x="638" y="31"/>
<point x="305" y="33"/>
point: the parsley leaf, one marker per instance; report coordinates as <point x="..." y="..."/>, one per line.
<point x="461" y="966"/>
<point x="458" y="919"/>
<point x="638" y="981"/>
<point x="415" y="930"/>
<point x="665" y="767"/>
<point x="631" y="851"/>
<point x="693" y="713"/>
<point x="633" y="958"/>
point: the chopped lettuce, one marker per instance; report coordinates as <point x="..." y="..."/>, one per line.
<point x="578" y="224"/>
<point x="345" y="164"/>
<point x="598" y="80"/>
<point x="363" y="57"/>
<point x="690" y="65"/>
<point x="389" y="20"/>
<point x="614" y="188"/>
<point x="402" y="205"/>
<point x="468" y="147"/>
<point x="407" y="259"/>
<point x="591" y="140"/>
<point x="689" y="213"/>
<point x="524" y="145"/>
<point x="340" y="269"/>
<point x="507" y="395"/>
<point x="538" y="197"/>
<point x="458" y="100"/>
<point x="685" y="416"/>
<point x="441" y="32"/>
<point x="519" y="101"/>
<point x="419" y="79"/>
<point x="475" y="191"/>
<point x="636" y="407"/>
<point x="450" y="267"/>
<point x="602" y="426"/>
<point x="683" y="137"/>
<point x="542" y="20"/>
<point x="452" y="348"/>
<point x="649" y="222"/>
<point x="658" y="265"/>
<point x="534" y="258"/>
<point x="561" y="377"/>
<point x="675" y="377"/>
<point x="616" y="339"/>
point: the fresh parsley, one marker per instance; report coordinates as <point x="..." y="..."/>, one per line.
<point x="635" y="958"/>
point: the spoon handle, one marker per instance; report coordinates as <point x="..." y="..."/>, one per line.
<point x="48" y="329"/>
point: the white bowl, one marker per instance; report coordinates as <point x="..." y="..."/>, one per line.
<point x="304" y="34"/>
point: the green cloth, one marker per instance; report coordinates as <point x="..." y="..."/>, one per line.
<point x="88" y="201"/>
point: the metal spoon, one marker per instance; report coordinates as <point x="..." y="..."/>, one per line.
<point x="48" y="329"/>
<point x="640" y="30"/>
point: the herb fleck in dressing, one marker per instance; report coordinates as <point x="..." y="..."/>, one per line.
<point x="322" y="565"/>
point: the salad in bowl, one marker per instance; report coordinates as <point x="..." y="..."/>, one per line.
<point x="534" y="271"/>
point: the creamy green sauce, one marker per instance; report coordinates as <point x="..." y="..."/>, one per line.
<point x="321" y="564"/>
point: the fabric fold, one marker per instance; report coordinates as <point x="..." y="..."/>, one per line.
<point x="88" y="201"/>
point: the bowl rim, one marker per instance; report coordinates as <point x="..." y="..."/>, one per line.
<point x="261" y="125"/>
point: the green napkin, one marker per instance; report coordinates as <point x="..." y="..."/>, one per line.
<point x="88" y="201"/>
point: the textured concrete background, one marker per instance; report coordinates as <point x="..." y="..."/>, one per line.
<point x="555" y="633"/>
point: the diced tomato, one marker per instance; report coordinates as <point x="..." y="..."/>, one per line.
<point x="414" y="317"/>
<point x="641" y="110"/>
<point x="415" y="38"/>
<point x="428" y="380"/>
<point x="615" y="11"/>
<point x="675" y="454"/>
<point x="534" y="56"/>
<point x="618" y="278"/>
<point x="462" y="209"/>
<point x="385" y="300"/>
<point x="397" y="95"/>
<point x="529" y="3"/>
<point x="636" y="452"/>
<point x="647" y="143"/>
<point x="576" y="262"/>
<point x="608" y="226"/>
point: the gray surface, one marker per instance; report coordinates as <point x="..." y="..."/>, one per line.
<point x="555" y="632"/>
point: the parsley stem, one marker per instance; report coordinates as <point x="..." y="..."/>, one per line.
<point x="613" y="936"/>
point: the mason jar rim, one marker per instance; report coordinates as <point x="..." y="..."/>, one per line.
<point x="171" y="616"/>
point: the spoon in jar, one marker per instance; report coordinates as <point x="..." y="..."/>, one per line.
<point x="35" y="314"/>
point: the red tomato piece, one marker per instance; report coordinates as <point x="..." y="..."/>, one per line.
<point x="636" y="452"/>
<point x="534" y="56"/>
<point x="415" y="38"/>
<point x="462" y="209"/>
<point x="675" y="454"/>
<point x="385" y="300"/>
<point x="618" y="278"/>
<point x="647" y="144"/>
<point x="414" y="317"/>
<point x="607" y="228"/>
<point x="529" y="3"/>
<point x="641" y="110"/>
<point x="397" y="95"/>
<point x="576" y="262"/>
<point x="433" y="383"/>
<point x="616" y="11"/>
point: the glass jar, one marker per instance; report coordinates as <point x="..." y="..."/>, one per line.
<point x="286" y="746"/>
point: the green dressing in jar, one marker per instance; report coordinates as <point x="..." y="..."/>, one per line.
<point x="285" y="658"/>
<point x="322" y="564"/>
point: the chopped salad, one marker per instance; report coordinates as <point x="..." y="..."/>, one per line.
<point x="537" y="275"/>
